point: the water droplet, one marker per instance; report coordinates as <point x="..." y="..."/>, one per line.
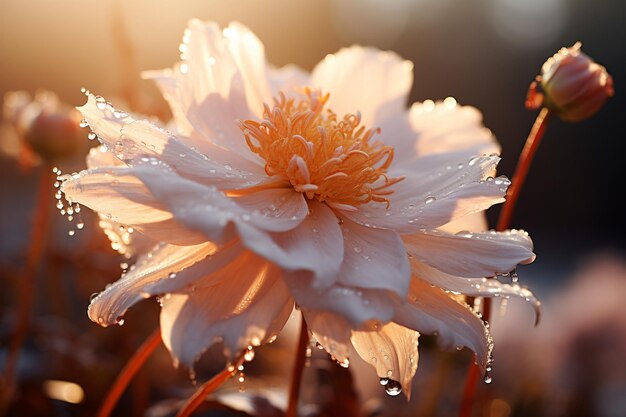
<point x="392" y="387"/>
<point x="71" y="232"/>
<point x="171" y="275"/>
<point x="487" y="378"/>
<point x="91" y="136"/>
<point x="429" y="200"/>
<point x="249" y="355"/>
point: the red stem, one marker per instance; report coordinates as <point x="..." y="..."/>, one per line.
<point x="199" y="396"/>
<point x="298" y="369"/>
<point x="131" y="368"/>
<point x="512" y="195"/>
<point x="26" y="282"/>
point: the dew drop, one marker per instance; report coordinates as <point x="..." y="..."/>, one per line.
<point x="392" y="388"/>
<point x="71" y="232"/>
<point x="91" y="136"/>
<point x="487" y="378"/>
<point x="429" y="200"/>
<point x="249" y="355"/>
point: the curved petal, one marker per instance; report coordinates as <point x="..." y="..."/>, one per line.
<point x="136" y="141"/>
<point x="430" y="310"/>
<point x="315" y="245"/>
<point x="392" y="350"/>
<point x="110" y="305"/>
<point x="475" y="287"/>
<point x="373" y="82"/>
<point x="445" y="126"/>
<point x="471" y="254"/>
<point x="332" y="332"/>
<point x="241" y="312"/>
<point x="101" y="156"/>
<point x="374" y="258"/>
<point x="357" y="306"/>
<point x="275" y="209"/>
<point x="287" y="80"/>
<point x="435" y="195"/>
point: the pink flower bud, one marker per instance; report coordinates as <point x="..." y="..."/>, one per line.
<point x="575" y="86"/>
<point x="44" y="125"/>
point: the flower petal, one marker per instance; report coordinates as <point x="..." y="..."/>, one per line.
<point x="471" y="254"/>
<point x="356" y="305"/>
<point x="392" y="350"/>
<point x="332" y="332"/>
<point x="121" y="197"/>
<point x="241" y="312"/>
<point x="445" y="126"/>
<point x="430" y="310"/>
<point x="136" y="141"/>
<point x="288" y="80"/>
<point x="374" y="258"/>
<point x="475" y="287"/>
<point x="315" y="245"/>
<point x="275" y="209"/>
<point x="432" y="197"/>
<point x="375" y="83"/>
<point x="111" y="304"/>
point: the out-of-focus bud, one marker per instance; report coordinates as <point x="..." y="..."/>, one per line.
<point x="50" y="128"/>
<point x="575" y="87"/>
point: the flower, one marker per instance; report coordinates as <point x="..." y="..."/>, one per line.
<point x="40" y="127"/>
<point x="280" y="187"/>
<point x="575" y="86"/>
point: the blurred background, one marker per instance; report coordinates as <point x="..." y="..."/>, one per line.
<point x="482" y="52"/>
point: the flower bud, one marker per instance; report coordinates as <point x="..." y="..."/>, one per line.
<point x="47" y="126"/>
<point x="575" y="86"/>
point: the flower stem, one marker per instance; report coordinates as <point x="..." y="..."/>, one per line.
<point x="298" y="369"/>
<point x="504" y="221"/>
<point x="523" y="165"/>
<point x="26" y="283"/>
<point x="200" y="395"/>
<point x="131" y="368"/>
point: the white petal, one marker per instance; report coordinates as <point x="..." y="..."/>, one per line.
<point x="431" y="310"/>
<point x="331" y="331"/>
<point x="471" y="254"/>
<point x="373" y="82"/>
<point x="448" y="127"/>
<point x="120" y="197"/>
<point x="392" y="350"/>
<point x="430" y="198"/>
<point x="474" y="287"/>
<point x="243" y="311"/>
<point x="356" y="305"/>
<point x="276" y="209"/>
<point x="111" y="304"/>
<point x="136" y="141"/>
<point x="288" y="80"/>
<point x="101" y="156"/>
<point x="315" y="245"/>
<point x="374" y="258"/>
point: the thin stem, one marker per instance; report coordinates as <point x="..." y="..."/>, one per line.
<point x="26" y="282"/>
<point x="298" y="369"/>
<point x="504" y="221"/>
<point x="131" y="368"/>
<point x="523" y="165"/>
<point x="199" y="396"/>
<point x="469" y="391"/>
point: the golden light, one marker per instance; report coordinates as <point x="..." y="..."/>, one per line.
<point x="64" y="391"/>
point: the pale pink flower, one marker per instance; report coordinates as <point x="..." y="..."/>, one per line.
<point x="263" y="198"/>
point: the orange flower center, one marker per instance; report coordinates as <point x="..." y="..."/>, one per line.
<point x="334" y="160"/>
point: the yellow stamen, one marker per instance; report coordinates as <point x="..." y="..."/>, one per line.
<point x="333" y="160"/>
